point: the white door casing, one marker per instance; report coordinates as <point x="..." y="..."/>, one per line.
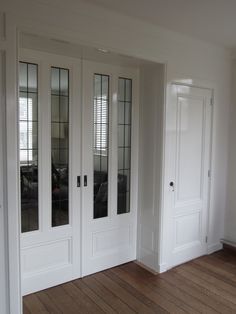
<point x="187" y="169"/>
<point x="51" y="255"/>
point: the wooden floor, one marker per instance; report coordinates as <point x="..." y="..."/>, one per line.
<point x="205" y="285"/>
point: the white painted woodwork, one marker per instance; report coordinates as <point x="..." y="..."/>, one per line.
<point x="51" y="255"/>
<point x="150" y="163"/>
<point x="108" y="241"/>
<point x="11" y="155"/>
<point x="188" y="146"/>
<point x="4" y="295"/>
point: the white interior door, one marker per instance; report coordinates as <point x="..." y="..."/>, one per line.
<point x="187" y="172"/>
<point x="49" y="162"/>
<point x="109" y="166"/>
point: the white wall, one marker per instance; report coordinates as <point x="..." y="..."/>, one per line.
<point x="187" y="60"/>
<point x="230" y="217"/>
<point x="150" y="162"/>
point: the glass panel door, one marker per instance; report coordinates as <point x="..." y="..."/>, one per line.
<point x="50" y="128"/>
<point x="108" y="237"/>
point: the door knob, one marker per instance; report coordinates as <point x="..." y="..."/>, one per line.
<point x="172" y="185"/>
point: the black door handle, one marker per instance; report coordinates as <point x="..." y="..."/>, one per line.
<point x="85" y="180"/>
<point x="78" y="181"/>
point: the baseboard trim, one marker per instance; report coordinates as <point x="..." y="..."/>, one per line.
<point x="146" y="267"/>
<point x="214" y="248"/>
<point x="162" y="268"/>
<point x="229" y="245"/>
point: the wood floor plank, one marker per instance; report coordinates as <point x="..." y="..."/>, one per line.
<point x="124" y="295"/>
<point x="180" y="298"/>
<point x="139" y="295"/>
<point x="221" y="285"/>
<point x="85" y="304"/>
<point x="25" y="309"/>
<point x="209" y="287"/>
<point x="94" y="297"/>
<point x="204" y="296"/>
<point x="106" y="295"/>
<point x="33" y="303"/>
<point x="64" y="301"/>
<point x="216" y="272"/>
<point x="47" y="302"/>
<point x="220" y="263"/>
<point x="165" y="302"/>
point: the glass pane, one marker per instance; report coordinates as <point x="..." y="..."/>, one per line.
<point x="128" y="90"/>
<point x="60" y="148"/>
<point x="124" y="145"/>
<point x="101" y="145"/>
<point x="32" y="78"/>
<point x="55" y="111"/>
<point x="23" y="74"/>
<point x="121" y="138"/>
<point x="121" y="90"/>
<point x="121" y="113"/>
<point x="127" y="135"/>
<point x="33" y="106"/>
<point x="55" y="132"/>
<point x="64" y="106"/>
<point x="64" y="82"/>
<point x="28" y="143"/>
<point x="33" y="135"/>
<point x="55" y="81"/>
<point x="127" y="115"/>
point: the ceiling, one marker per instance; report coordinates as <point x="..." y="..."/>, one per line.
<point x="210" y="20"/>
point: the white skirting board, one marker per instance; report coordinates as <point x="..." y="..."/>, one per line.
<point x="228" y="242"/>
<point x="214" y="247"/>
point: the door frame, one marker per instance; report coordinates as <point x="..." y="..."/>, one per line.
<point x="165" y="214"/>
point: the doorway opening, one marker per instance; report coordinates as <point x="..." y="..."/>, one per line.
<point x="89" y="164"/>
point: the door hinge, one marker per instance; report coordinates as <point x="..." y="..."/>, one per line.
<point x="209" y="173"/>
<point x="206" y="239"/>
<point x="212" y="102"/>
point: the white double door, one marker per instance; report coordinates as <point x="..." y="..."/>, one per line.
<point x="187" y="172"/>
<point x="77" y="178"/>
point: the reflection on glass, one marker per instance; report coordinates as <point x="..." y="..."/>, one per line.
<point x="28" y="129"/>
<point x="124" y="144"/>
<point x="101" y="147"/>
<point x="60" y="145"/>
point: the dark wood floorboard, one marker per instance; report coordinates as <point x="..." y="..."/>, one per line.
<point x="205" y="285"/>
